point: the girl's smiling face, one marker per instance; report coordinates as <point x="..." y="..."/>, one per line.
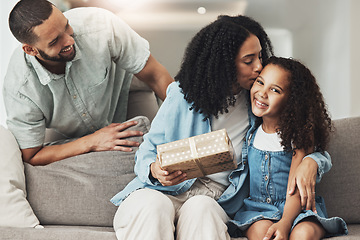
<point x="269" y="93"/>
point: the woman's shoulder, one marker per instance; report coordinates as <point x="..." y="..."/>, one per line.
<point x="173" y="88"/>
<point x="174" y="93"/>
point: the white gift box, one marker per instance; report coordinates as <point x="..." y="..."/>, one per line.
<point x="198" y="156"/>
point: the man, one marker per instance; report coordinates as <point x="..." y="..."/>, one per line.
<point x="73" y="74"/>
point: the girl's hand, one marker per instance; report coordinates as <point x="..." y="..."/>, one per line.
<point x="278" y="231"/>
<point x="164" y="177"/>
<point x="305" y="179"/>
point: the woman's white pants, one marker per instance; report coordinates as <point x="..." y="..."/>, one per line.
<point x="148" y="214"/>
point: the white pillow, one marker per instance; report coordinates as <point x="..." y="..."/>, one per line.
<point x="15" y="210"/>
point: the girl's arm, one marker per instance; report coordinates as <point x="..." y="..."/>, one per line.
<point x="292" y="208"/>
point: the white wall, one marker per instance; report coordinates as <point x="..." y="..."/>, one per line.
<point x="325" y="34"/>
<point x="321" y="33"/>
<point x="7" y="44"/>
<point x="323" y="43"/>
<point x="354" y="58"/>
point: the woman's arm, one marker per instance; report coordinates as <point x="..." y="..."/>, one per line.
<point x="281" y="229"/>
<point x="310" y="171"/>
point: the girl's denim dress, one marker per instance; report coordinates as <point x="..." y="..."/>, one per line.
<point x="269" y="172"/>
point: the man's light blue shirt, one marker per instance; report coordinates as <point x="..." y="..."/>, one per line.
<point x="91" y="94"/>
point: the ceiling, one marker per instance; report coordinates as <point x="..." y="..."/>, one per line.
<point x="183" y="14"/>
<point x="174" y="14"/>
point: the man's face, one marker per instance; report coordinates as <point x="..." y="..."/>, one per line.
<point x="58" y="58"/>
<point x="55" y="39"/>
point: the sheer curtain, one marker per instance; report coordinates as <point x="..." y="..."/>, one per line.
<point x="7" y="44"/>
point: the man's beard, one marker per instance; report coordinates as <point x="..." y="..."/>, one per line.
<point x="58" y="58"/>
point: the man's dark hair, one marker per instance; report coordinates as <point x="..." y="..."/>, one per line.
<point x="26" y="15"/>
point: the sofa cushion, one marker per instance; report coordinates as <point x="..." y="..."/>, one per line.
<point x="59" y="233"/>
<point x="77" y="190"/>
<point x="142" y="100"/>
<point x="15" y="210"/>
<point x="340" y="186"/>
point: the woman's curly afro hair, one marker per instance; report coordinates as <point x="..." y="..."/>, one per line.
<point x="208" y="71"/>
<point x="304" y="122"/>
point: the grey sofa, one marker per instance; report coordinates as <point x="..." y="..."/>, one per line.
<point x="71" y="197"/>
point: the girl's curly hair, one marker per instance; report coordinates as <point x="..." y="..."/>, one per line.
<point x="208" y="70"/>
<point x="305" y="122"/>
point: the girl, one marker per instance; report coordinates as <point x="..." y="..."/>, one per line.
<point x="210" y="93"/>
<point x="292" y="121"/>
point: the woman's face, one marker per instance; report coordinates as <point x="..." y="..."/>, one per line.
<point x="248" y="63"/>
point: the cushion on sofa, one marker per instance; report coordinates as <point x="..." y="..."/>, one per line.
<point x="342" y="196"/>
<point x="142" y="100"/>
<point x="15" y="210"/>
<point x="74" y="190"/>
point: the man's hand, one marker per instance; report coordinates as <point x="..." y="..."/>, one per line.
<point x="164" y="177"/>
<point x="305" y="180"/>
<point x="113" y="138"/>
<point x="109" y="138"/>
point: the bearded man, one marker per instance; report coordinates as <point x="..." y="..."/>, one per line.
<point x="72" y="74"/>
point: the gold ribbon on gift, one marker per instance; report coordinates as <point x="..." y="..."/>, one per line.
<point x="195" y="155"/>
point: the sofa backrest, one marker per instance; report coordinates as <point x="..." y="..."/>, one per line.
<point x="340" y="186"/>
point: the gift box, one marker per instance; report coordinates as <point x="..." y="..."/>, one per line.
<point x="198" y="156"/>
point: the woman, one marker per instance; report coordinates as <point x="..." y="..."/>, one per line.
<point x="211" y="92"/>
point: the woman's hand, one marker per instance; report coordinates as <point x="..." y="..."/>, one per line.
<point x="305" y="179"/>
<point x="164" y="177"/>
<point x="278" y="231"/>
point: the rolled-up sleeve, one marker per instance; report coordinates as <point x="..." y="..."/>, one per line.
<point x="24" y="119"/>
<point x="323" y="161"/>
<point x="127" y="47"/>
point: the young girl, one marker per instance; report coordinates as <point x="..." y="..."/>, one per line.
<point x="292" y="121"/>
<point x="210" y="93"/>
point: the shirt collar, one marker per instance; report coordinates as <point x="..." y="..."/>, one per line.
<point x="45" y="77"/>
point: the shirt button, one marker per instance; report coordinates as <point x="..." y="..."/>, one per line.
<point x="266" y="177"/>
<point x="268" y="200"/>
<point x="266" y="157"/>
<point x="74" y="96"/>
<point x="84" y="114"/>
